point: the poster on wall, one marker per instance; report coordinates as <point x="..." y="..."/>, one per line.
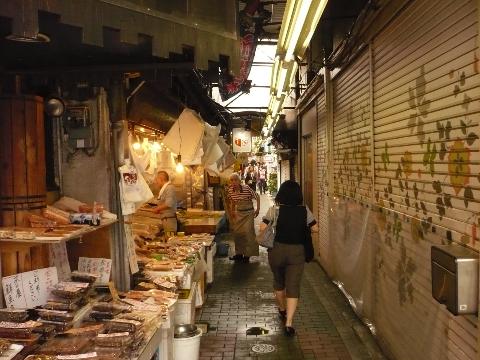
<point x="242" y="140"/>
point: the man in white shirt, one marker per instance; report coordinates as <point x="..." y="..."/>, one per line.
<point x="167" y="202"/>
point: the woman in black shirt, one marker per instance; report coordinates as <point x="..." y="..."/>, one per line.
<point x="287" y="258"/>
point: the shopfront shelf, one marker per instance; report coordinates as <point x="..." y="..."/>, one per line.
<point x="46" y="238"/>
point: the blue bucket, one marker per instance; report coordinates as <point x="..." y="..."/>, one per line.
<point x="222" y="249"/>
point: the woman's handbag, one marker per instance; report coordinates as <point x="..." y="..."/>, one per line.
<point x="266" y="237"/>
<point x="308" y="245"/>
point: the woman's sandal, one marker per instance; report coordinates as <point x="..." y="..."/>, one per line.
<point x="289" y="331"/>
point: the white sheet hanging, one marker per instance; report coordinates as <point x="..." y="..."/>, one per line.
<point x="209" y="143"/>
<point x="140" y="158"/>
<point x="185" y="136"/>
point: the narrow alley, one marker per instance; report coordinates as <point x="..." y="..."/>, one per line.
<point x="241" y="298"/>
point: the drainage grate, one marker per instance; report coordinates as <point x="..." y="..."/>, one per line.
<point x="263" y="348"/>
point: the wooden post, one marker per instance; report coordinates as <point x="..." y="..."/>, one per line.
<point x="120" y="151"/>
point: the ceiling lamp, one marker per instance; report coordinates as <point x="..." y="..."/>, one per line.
<point x="54" y="107"/>
<point x="298" y="25"/>
<point x="38" y="38"/>
<point x="179" y="168"/>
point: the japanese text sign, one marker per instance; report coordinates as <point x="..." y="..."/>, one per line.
<point x="97" y="266"/>
<point x="29" y="289"/>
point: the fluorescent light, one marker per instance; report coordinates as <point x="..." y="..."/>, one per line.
<point x="292" y="74"/>
<point x="319" y="7"/>
<point x="273" y="80"/>
<point x="277" y="108"/>
<point x="281" y="79"/>
<point x="271" y="102"/>
<point x="287" y="19"/>
<point x="303" y="8"/>
<point x="275" y="113"/>
<point x="273" y="105"/>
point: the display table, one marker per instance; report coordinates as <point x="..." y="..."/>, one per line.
<point x="200" y="221"/>
<point x="207" y="225"/>
<point x="152" y="345"/>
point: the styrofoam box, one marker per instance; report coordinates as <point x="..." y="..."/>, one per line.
<point x="210" y="254"/>
<point x="185" y="274"/>
<point x="185" y="308"/>
<point x="165" y="348"/>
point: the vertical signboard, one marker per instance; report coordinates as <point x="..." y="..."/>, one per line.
<point x="242" y="140"/>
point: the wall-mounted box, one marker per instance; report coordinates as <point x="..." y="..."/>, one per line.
<point x="455" y="278"/>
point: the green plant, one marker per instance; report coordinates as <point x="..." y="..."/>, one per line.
<point x="272" y="183"/>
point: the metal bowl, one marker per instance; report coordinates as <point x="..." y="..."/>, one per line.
<point x="184" y="331"/>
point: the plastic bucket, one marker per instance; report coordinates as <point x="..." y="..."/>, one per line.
<point x="222" y="249"/>
<point x="187" y="348"/>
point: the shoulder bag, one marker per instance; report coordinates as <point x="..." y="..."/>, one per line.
<point x="266" y="237"/>
<point x="308" y="243"/>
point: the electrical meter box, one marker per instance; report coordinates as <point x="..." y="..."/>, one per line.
<point x="455" y="278"/>
<point x="78" y="127"/>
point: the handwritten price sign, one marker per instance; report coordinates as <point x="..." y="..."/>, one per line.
<point x="29" y="289"/>
<point x="97" y="266"/>
<point x="59" y="259"/>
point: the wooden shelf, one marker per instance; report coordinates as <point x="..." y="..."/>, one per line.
<point x="47" y="239"/>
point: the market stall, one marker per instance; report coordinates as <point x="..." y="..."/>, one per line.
<point x="58" y="263"/>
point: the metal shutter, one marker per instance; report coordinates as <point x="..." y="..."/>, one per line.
<point x="352" y="131"/>
<point x="426" y="92"/>
<point x="322" y="182"/>
<point x="426" y="116"/>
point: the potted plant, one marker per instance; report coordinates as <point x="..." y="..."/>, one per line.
<point x="272" y="184"/>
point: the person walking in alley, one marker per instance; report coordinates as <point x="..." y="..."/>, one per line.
<point x="262" y="179"/>
<point x="242" y="213"/>
<point x="287" y="257"/>
<point x="251" y="178"/>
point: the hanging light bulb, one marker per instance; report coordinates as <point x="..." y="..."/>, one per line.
<point x="136" y="145"/>
<point x="179" y="168"/>
<point x="156" y="146"/>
